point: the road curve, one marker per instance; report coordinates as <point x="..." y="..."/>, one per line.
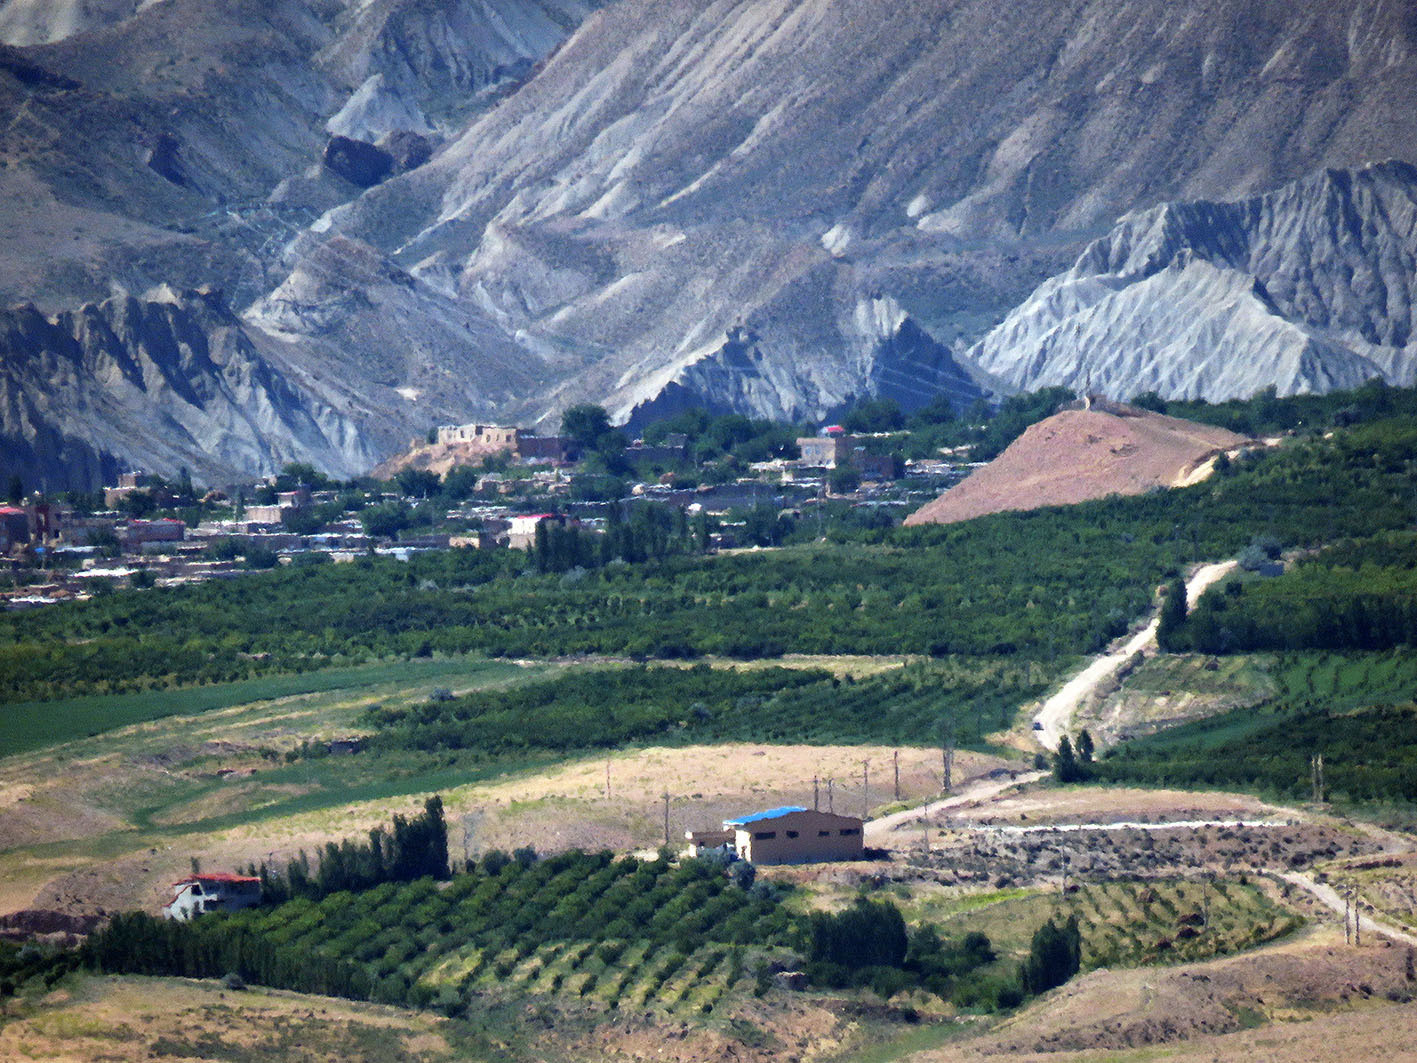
<point x="976" y="791"/>
<point x="1329" y="897"/>
<point x="1057" y="712"/>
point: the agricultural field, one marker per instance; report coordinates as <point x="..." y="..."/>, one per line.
<point x="1355" y="709"/>
<point x="107" y="822"/>
<point x="649" y="934"/>
<point x="1132" y="923"/>
<point x="1124" y="922"/>
<point x="1036" y="586"/>
<point x="1167" y="690"/>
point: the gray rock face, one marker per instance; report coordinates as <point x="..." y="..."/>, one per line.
<point x="614" y="191"/>
<point x="1308" y="288"/>
<point x="425" y="65"/>
<point x="680" y="169"/>
<point x="180" y="142"/>
<point x="157" y="383"/>
<point x="47" y="21"/>
<point x="357" y="161"/>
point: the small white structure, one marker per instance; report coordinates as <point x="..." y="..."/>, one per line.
<point x="224" y="892"/>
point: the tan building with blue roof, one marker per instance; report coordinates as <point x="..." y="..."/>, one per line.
<point x="795" y="835"/>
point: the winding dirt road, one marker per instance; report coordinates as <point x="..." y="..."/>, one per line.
<point x="1329" y="897"/>
<point x="1057" y="712"/>
<point x="983" y="788"/>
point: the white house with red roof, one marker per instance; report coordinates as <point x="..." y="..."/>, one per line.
<point x="214" y="892"/>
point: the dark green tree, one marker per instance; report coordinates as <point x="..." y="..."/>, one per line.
<point x="16" y="492"/>
<point x="1054" y="956"/>
<point x="1173" y="617"/>
<point x="1085" y="748"/>
<point x="588" y="427"/>
<point x="417" y="483"/>
<point x="874" y="415"/>
<point x="844" y="479"/>
<point x="1065" y="763"/>
<point x="868" y="934"/>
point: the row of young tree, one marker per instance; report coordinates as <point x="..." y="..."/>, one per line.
<point x="609" y="707"/>
<point x="634" y="533"/>
<point x="385" y="943"/>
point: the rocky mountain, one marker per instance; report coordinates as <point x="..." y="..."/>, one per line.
<point x="681" y="175"/>
<point x="774" y="206"/>
<point x="184" y="143"/>
<point x="1090" y="451"/>
<point x="1308" y="288"/>
<point x="167" y="381"/>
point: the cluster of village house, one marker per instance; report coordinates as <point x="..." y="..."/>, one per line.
<point x="174" y="553"/>
<point x="788" y="835"/>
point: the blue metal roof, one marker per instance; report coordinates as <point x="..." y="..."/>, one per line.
<point x="771" y="813"/>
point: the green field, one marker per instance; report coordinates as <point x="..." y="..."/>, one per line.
<point x="38" y="724"/>
<point x="1129" y="923"/>
<point x="1356" y="709"/>
<point x="1035" y="585"/>
<point x="648" y="935"/>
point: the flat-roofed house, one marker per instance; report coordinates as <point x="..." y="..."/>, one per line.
<point x="795" y="835"/>
<point x="220" y="891"/>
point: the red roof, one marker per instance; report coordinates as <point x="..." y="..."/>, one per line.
<point x="11" y="511"/>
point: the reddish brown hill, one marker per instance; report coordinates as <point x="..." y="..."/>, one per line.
<point x="1082" y="454"/>
<point x="440" y="458"/>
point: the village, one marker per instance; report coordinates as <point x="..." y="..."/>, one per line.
<point x="146" y="531"/>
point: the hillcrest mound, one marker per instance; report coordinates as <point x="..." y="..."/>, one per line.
<point x="1080" y="454"/>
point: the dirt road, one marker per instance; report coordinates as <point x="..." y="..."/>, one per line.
<point x="983" y="789"/>
<point x="1329" y="897"/>
<point x="1057" y="712"/>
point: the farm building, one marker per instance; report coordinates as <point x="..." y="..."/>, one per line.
<point x="795" y="835"/>
<point x="196" y="894"/>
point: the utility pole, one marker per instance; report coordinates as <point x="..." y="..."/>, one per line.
<point x="896" y="758"/>
<point x="1347" y="916"/>
<point x="607" y="778"/>
<point x="816" y="796"/>
<point x="665" y="795"/>
<point x="1357" y="921"/>
<point x="831" y="783"/>
<point x="865" y="790"/>
<point x="1066" y="861"/>
<point x="947" y="753"/>
<point x="925" y="828"/>
<point x="1319" y="795"/>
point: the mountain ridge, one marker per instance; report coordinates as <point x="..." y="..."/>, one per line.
<point x="612" y="192"/>
<point x="1309" y="287"/>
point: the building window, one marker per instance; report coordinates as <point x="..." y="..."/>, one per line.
<point x="792" y="834"/>
<point x="824" y="834"/>
<point x="850" y="830"/>
<point x="764" y="834"/>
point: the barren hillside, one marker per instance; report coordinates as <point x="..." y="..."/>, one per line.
<point x="1078" y="455"/>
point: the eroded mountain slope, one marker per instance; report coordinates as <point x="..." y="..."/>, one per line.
<point x="679" y="170"/>
<point x="1306" y="289"/>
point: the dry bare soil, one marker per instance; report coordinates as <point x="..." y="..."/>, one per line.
<point x="1078" y="455"/>
<point x="1310" y="998"/>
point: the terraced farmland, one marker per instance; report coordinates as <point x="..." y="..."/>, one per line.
<point x="1125" y="923"/>
<point x="654" y="935"/>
